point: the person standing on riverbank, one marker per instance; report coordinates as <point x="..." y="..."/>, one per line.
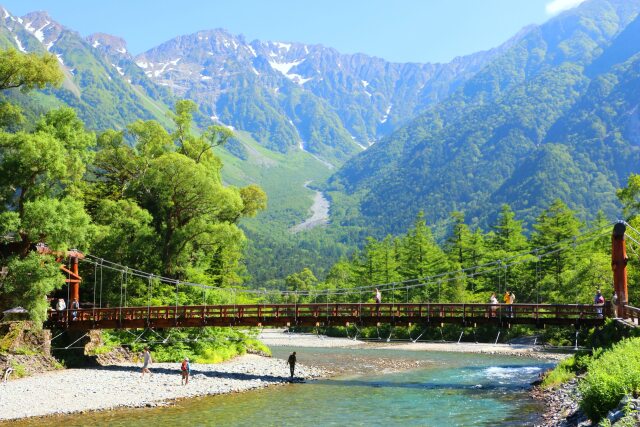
<point x="185" y="369"/>
<point x="378" y="301"/>
<point x="146" y="359"/>
<point x="292" y="363"/>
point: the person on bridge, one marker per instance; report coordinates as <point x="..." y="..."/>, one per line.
<point x="75" y="306"/>
<point x="378" y="296"/>
<point x="494" y="304"/>
<point x="512" y="300"/>
<point x="292" y="363"/>
<point x="614" y="304"/>
<point x="146" y="359"/>
<point x="185" y="369"/>
<point x="60" y="308"/>
<point x="598" y="301"/>
<point x="509" y="299"/>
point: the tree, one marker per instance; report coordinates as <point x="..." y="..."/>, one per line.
<point x="508" y="232"/>
<point x="25" y="72"/>
<point x="420" y="256"/>
<point x="555" y="225"/>
<point x="28" y="71"/>
<point x="197" y="148"/>
<point x="458" y="242"/>
<point x="176" y="178"/>
<point x="629" y="196"/>
<point x="39" y="169"/>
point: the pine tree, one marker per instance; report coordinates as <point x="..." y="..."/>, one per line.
<point x="556" y="224"/>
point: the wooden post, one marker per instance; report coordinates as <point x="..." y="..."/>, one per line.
<point x="75" y="284"/>
<point x="619" y="266"/>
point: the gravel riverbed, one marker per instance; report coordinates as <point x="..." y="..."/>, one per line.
<point x="80" y="390"/>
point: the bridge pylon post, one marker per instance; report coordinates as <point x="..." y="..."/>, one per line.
<point x="619" y="261"/>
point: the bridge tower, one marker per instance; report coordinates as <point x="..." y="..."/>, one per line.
<point x="619" y="261"/>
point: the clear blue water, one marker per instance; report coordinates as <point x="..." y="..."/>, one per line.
<point x="447" y="389"/>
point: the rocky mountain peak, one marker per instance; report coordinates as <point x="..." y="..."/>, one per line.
<point x="109" y="44"/>
<point x="42" y="27"/>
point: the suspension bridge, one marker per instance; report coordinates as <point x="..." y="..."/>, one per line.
<point x="323" y="314"/>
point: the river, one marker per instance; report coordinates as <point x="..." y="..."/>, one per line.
<point x="445" y="389"/>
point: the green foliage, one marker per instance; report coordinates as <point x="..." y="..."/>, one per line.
<point x="200" y="345"/>
<point x="29" y="281"/>
<point x="28" y="71"/>
<point x="19" y="370"/>
<point x="562" y="373"/>
<point x="610" y="377"/>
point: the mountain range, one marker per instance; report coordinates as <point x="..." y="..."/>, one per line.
<point x="286" y="95"/>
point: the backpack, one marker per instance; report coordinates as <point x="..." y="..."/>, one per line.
<point x="600" y="299"/>
<point x="184" y="365"/>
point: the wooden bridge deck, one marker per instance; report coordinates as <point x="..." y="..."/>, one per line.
<point x="322" y="314"/>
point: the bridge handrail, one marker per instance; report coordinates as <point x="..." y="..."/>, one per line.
<point x="632" y="312"/>
<point x="335" y="310"/>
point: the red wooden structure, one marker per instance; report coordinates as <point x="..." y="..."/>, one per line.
<point x="336" y="314"/>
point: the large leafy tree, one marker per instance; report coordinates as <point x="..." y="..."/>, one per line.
<point x="41" y="171"/>
<point x="174" y="178"/>
<point x="24" y="72"/>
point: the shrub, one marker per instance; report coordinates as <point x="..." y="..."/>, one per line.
<point x="19" y="370"/>
<point x="615" y="373"/>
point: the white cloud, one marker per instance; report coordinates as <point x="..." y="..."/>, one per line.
<point x="556" y="6"/>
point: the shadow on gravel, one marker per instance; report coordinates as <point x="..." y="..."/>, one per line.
<point x="210" y="374"/>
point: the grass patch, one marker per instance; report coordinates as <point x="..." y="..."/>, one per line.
<point x="19" y="370"/>
<point x="563" y="372"/>
<point x="610" y="377"/>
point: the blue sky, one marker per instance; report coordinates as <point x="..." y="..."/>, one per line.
<point x="397" y="30"/>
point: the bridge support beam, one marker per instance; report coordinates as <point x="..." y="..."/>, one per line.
<point x="619" y="261"/>
<point x="75" y="284"/>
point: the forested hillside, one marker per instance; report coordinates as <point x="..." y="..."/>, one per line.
<point x="555" y="116"/>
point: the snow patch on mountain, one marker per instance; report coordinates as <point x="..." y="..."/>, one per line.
<point x="95" y="44"/>
<point x="285" y="46"/>
<point x="386" y="114"/>
<point x="153" y="70"/>
<point x="284" y="69"/>
<point x="364" y="83"/>
<point x="253" y="52"/>
<point x="20" y="47"/>
<point x="39" y="34"/>
<point x="118" y="69"/>
<point x="5" y="13"/>
<point x="59" y="56"/>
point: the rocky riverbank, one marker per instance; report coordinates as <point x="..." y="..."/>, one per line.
<point x="561" y="406"/>
<point x="109" y="387"/>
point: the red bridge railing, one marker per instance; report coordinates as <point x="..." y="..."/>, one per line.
<point x="327" y="314"/>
